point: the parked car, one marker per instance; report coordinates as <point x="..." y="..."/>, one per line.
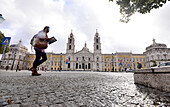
<point x="166" y="64"/>
<point x="129" y="70"/>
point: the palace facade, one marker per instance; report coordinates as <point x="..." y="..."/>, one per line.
<point x="84" y="60"/>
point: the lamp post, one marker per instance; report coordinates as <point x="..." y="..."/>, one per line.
<point x="112" y="63"/>
<point x="1" y="18"/>
<point x="13" y="60"/>
<point x="60" y="61"/>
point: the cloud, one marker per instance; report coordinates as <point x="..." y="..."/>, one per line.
<point x="24" y="18"/>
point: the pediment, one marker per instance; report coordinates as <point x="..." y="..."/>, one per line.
<point x="84" y="52"/>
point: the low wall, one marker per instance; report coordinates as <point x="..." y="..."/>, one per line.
<point x="158" y="78"/>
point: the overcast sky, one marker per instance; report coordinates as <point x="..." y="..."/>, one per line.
<point x="24" y="18"/>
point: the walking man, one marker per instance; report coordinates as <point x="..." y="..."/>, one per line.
<point x="40" y="53"/>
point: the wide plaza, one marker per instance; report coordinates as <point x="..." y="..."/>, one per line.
<point x="76" y="89"/>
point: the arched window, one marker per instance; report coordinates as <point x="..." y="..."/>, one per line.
<point x="97" y="47"/>
<point x="83" y="58"/>
<point x="69" y="46"/>
<point x="97" y="40"/>
<point x="76" y="65"/>
<point x="89" y="66"/>
<point x="70" y="40"/>
<point x="83" y="66"/>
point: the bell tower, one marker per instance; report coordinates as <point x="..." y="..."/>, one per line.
<point x="97" y="65"/>
<point x="97" y="44"/>
<point x="70" y="52"/>
<point x="70" y="44"/>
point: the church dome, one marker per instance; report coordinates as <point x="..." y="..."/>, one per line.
<point x="85" y="47"/>
<point x="156" y="45"/>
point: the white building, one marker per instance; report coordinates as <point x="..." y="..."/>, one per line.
<point x="17" y="56"/>
<point x="84" y="59"/>
<point x="157" y="52"/>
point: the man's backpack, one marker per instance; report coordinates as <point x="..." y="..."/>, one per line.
<point x="32" y="42"/>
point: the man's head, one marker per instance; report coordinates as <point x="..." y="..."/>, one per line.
<point x="46" y="29"/>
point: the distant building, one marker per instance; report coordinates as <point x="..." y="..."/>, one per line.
<point x="121" y="61"/>
<point x="84" y="60"/>
<point x="157" y="52"/>
<point x="17" y="56"/>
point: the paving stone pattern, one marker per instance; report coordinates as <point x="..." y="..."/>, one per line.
<point x="76" y="89"/>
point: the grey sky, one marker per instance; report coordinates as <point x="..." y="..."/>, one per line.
<point x="24" y="18"/>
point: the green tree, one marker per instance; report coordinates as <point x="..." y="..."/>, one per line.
<point x="129" y="7"/>
<point x="154" y="64"/>
<point x="2" y="46"/>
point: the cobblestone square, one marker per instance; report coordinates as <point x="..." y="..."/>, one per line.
<point x="76" y="89"/>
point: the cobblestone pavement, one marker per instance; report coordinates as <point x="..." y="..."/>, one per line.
<point x="76" y="89"/>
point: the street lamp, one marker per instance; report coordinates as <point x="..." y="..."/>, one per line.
<point x="112" y="63"/>
<point x="60" y="61"/>
<point x="13" y="60"/>
<point x="1" y="18"/>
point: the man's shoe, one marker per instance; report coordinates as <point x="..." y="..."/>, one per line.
<point x="33" y="70"/>
<point x="36" y="74"/>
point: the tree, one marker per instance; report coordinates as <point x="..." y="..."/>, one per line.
<point x="154" y="64"/>
<point x="129" y="7"/>
<point x="2" y="46"/>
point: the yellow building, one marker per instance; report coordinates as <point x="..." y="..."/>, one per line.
<point x="121" y="61"/>
<point x="54" y="62"/>
<point x="108" y="62"/>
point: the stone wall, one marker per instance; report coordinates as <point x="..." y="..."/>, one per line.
<point x="158" y="78"/>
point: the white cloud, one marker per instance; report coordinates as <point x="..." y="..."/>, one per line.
<point x="24" y="18"/>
